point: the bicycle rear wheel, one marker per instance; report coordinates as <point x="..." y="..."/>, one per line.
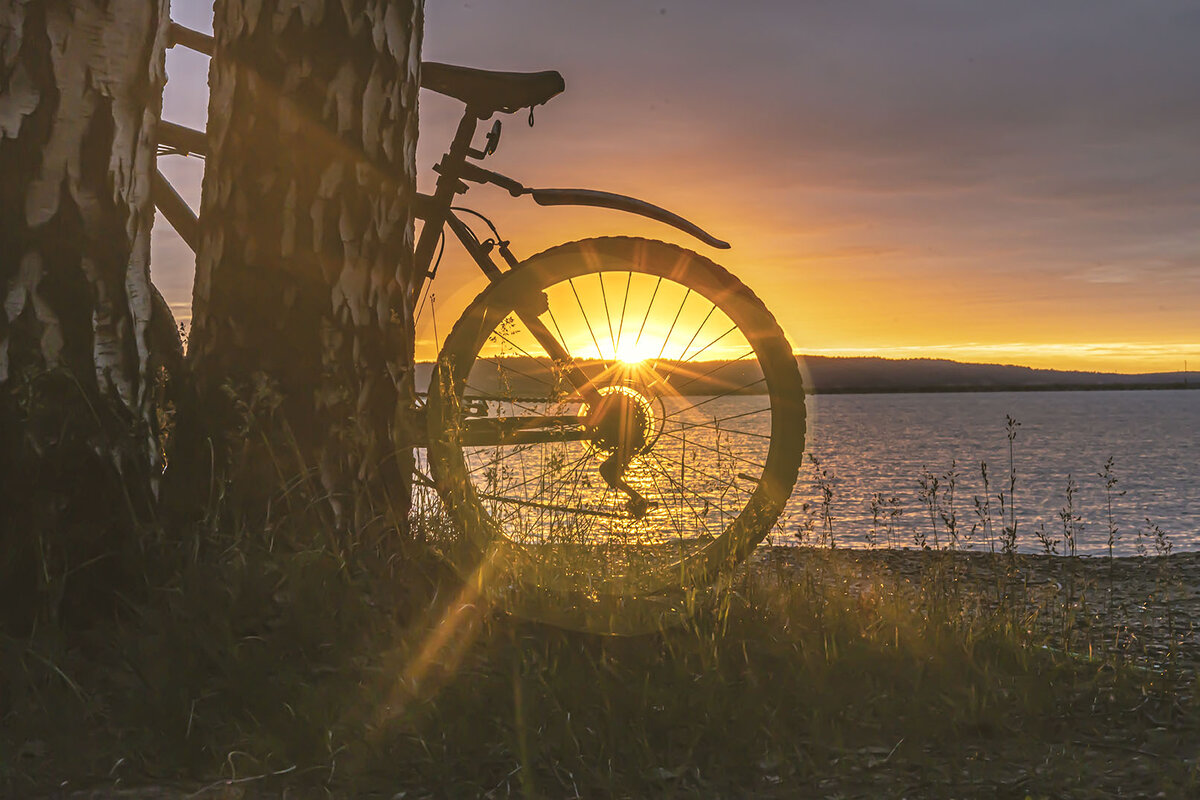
<point x="661" y="451"/>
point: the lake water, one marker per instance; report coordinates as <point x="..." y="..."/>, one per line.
<point x="874" y="452"/>
<point x="883" y="443"/>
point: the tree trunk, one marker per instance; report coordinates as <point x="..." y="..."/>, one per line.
<point x="80" y="91"/>
<point x="305" y="253"/>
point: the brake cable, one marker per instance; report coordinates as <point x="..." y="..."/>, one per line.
<point x="486" y="221"/>
<point x="437" y="260"/>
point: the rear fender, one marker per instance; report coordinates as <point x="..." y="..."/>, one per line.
<point x="620" y="202"/>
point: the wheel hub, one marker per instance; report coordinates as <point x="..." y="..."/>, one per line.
<point x="623" y="421"/>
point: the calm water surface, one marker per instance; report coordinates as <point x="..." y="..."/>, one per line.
<point x="703" y="467"/>
<point x="883" y="443"/>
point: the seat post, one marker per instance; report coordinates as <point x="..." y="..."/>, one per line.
<point x="448" y="184"/>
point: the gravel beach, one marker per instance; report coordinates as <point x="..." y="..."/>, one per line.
<point x="1148" y="606"/>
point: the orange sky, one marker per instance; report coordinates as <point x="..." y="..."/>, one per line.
<point x="966" y="182"/>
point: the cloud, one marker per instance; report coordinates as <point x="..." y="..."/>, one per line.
<point x="1015" y="159"/>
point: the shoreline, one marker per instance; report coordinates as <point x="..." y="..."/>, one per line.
<point x="1146" y="607"/>
<point x="1122" y="387"/>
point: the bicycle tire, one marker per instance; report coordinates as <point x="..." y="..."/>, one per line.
<point x="485" y="536"/>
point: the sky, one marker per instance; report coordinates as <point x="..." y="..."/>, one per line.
<point x="1011" y="182"/>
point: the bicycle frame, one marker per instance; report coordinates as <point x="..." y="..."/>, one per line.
<point x="434" y="210"/>
<point x="454" y="173"/>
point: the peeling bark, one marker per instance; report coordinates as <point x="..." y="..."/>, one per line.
<point x="306" y="235"/>
<point x="80" y="92"/>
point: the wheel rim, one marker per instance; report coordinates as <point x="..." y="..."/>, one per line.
<point x="705" y="420"/>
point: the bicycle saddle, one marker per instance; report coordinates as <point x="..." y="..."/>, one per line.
<point x="487" y="92"/>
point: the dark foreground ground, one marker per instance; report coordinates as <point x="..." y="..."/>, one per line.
<point x="815" y="673"/>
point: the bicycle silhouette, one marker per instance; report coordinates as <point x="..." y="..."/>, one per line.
<point x="608" y="417"/>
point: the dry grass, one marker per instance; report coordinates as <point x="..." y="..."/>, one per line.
<point x="836" y="678"/>
<point x="282" y="654"/>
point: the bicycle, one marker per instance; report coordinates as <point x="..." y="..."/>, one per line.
<point x="597" y="454"/>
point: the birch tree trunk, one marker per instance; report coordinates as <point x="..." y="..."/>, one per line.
<point x="80" y="92"/>
<point x="306" y="243"/>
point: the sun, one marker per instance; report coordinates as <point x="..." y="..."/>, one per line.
<point x="633" y="352"/>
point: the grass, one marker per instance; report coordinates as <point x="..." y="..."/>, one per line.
<point x="292" y="669"/>
<point x="272" y="655"/>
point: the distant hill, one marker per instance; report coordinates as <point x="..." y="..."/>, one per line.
<point x="835" y="375"/>
<point x="832" y="375"/>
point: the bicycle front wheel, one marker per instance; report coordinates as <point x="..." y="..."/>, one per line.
<point x="615" y="416"/>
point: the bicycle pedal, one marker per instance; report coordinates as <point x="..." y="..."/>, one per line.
<point x="638" y="507"/>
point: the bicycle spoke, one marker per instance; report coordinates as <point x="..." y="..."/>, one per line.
<point x="649" y="305"/>
<point x="667" y="507"/>
<point x="671" y="330"/>
<point x="516" y="452"/>
<point x="573" y="495"/>
<point x="719" y="452"/>
<point x="510" y="368"/>
<point x="715" y="427"/>
<point x="557" y="329"/>
<point x="726" y="485"/>
<point x="716" y="397"/>
<point x="734" y="416"/>
<point x="624" y="303"/>
<point x="515" y="346"/>
<point x="697" y="333"/>
<point x="696" y="354"/>
<point x="600" y="504"/>
<point x="683" y="492"/>
<point x="536" y="477"/>
<point x="723" y="482"/>
<point x="714" y="423"/>
<point x="607" y="314"/>
<point x="720" y="364"/>
<point x="586" y="321"/>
